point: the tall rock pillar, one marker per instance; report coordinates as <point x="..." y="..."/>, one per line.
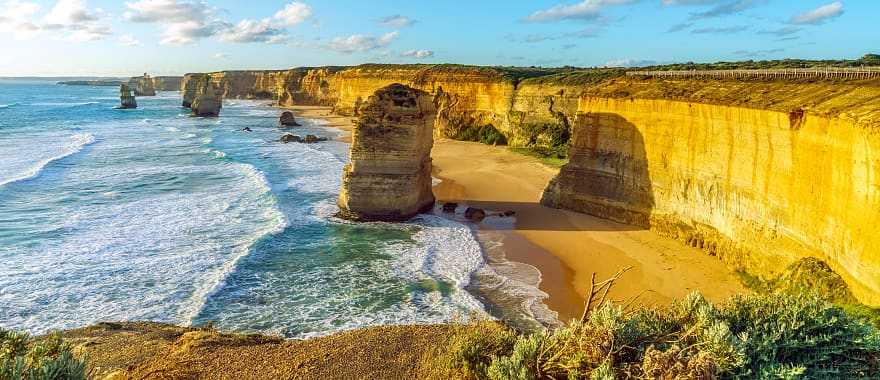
<point x="126" y="99"/>
<point x="389" y="174"/>
<point x="207" y="101"/>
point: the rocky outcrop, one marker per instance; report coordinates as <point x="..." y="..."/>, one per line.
<point x="143" y="86"/>
<point x="207" y="102"/>
<point x="389" y="174"/>
<point x="287" y="120"/>
<point x="127" y="100"/>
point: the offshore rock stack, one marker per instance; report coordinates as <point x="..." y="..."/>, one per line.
<point x="389" y="176"/>
<point x="207" y="102"/>
<point x="126" y="99"/>
<point x="143" y="86"/>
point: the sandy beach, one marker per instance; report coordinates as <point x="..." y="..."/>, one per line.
<point x="566" y="247"/>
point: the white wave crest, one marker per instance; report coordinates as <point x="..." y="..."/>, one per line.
<point x="77" y="143"/>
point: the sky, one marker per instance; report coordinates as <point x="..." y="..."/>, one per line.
<point x="173" y="37"/>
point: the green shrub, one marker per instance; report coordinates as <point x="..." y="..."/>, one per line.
<point x="486" y="134"/>
<point x="758" y="336"/>
<point x="470" y="349"/>
<point x="22" y="357"/>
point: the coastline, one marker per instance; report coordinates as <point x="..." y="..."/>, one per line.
<point x="565" y="247"/>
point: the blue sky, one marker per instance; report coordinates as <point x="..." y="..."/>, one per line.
<point x="97" y="37"/>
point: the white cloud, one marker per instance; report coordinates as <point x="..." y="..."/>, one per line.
<point x="15" y="18"/>
<point x="361" y="43"/>
<point x="75" y="17"/>
<point x="397" y="21"/>
<point x="819" y="15"/>
<point x="220" y="56"/>
<point x="128" y="40"/>
<point x="184" y="22"/>
<point x="293" y="14"/>
<point x="15" y="10"/>
<point x="67" y="13"/>
<point x="187" y="21"/>
<point x="251" y="31"/>
<point x="417" y="54"/>
<point x="585" y="10"/>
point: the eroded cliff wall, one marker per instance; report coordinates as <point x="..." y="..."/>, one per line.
<point x="759" y="188"/>
<point x="759" y="173"/>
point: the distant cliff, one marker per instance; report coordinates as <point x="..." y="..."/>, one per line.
<point x="757" y="172"/>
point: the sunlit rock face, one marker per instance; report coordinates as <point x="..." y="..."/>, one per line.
<point x="126" y="99"/>
<point x="389" y="174"/>
<point x="758" y="188"/>
<point x="207" y="102"/>
<point x="143" y="86"/>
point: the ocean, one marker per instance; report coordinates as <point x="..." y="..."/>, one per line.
<point x="151" y="214"/>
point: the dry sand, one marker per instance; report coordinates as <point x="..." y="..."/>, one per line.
<point x="566" y="247"/>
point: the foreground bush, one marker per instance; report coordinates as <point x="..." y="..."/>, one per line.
<point x="763" y="337"/>
<point x="47" y="358"/>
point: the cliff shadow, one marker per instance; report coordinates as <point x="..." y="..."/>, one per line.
<point x="607" y="177"/>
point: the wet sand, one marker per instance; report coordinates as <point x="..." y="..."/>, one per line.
<point x="566" y="247"/>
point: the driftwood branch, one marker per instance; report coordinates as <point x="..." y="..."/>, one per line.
<point x="599" y="292"/>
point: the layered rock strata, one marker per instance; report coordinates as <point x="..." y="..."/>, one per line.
<point x="758" y="172"/>
<point x="143" y="86"/>
<point x="389" y="174"/>
<point x="287" y="120"/>
<point x="758" y="188"/>
<point x="126" y="99"/>
<point x="208" y="102"/>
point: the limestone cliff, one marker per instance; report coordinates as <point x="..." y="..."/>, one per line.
<point x="143" y="85"/>
<point x="207" y="101"/>
<point x="389" y="174"/>
<point x="787" y="171"/>
<point x="167" y="83"/>
<point x="758" y="172"/>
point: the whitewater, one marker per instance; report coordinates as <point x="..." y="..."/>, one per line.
<point x="150" y="214"/>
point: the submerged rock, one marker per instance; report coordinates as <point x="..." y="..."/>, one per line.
<point x="310" y="139"/>
<point x="450" y="207"/>
<point x="246" y="129"/>
<point x="389" y="174"/>
<point x="288" y="120"/>
<point x="127" y="100"/>
<point x="288" y="138"/>
<point x="208" y="101"/>
<point x="475" y="214"/>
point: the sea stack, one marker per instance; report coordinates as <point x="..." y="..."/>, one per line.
<point x="144" y="86"/>
<point x="287" y="120"/>
<point x="207" y="102"/>
<point x="127" y="100"/>
<point x="389" y="174"/>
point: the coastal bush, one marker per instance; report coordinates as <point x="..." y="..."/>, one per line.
<point x="781" y="336"/>
<point x="470" y="350"/>
<point x="486" y="134"/>
<point x="47" y="358"/>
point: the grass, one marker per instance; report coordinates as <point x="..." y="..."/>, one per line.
<point x="46" y="358"/>
<point x="548" y="158"/>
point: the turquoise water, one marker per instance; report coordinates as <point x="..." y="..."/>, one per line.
<point x="151" y="214"/>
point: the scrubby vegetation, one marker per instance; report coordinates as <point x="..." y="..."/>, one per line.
<point x="486" y="134"/>
<point x="46" y="358"/>
<point x="779" y="336"/>
<point x="866" y="60"/>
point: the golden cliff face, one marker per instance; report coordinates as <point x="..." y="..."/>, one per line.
<point x="389" y="174"/>
<point x="759" y="188"/>
<point x="759" y="173"/>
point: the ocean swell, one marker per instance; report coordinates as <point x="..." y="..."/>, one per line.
<point x="77" y="143"/>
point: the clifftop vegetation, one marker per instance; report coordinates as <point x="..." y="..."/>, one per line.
<point x="866" y="60"/>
